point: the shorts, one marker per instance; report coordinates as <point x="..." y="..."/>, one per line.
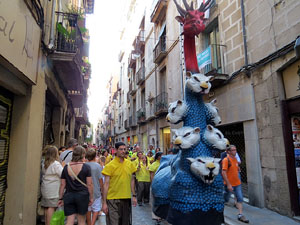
<point x="237" y="190"/>
<point x="96" y="206"/>
<point x="76" y="203"/>
<point x="49" y="202"/>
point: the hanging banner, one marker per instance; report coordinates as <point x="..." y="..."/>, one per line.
<point x="204" y="58"/>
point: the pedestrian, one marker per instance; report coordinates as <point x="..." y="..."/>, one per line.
<point x="154" y="166"/>
<point x="66" y="156"/>
<point x="230" y="173"/>
<point x="143" y="178"/>
<point x="76" y="188"/>
<point x="61" y="149"/>
<point x="108" y="157"/>
<point x="150" y="157"/>
<point x="118" y="187"/>
<point x="94" y="209"/>
<point x="51" y="172"/>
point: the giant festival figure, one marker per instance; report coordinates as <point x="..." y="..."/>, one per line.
<point x="187" y="187"/>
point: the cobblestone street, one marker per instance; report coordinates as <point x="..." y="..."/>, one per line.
<point x="141" y="215"/>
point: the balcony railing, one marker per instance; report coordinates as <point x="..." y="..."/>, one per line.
<point x="68" y="35"/>
<point x="67" y="55"/>
<point x="161" y="104"/>
<point x="128" y="96"/>
<point x="140" y="75"/>
<point x="141" y="115"/>
<point x="126" y="125"/>
<point x="132" y="121"/>
<point x="160" y="51"/>
<point x="131" y="61"/>
<point x="132" y="88"/>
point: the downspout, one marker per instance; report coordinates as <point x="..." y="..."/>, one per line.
<point x="244" y="37"/>
<point x="52" y="27"/>
<point x="258" y="199"/>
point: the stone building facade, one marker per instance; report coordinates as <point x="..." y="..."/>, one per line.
<point x="253" y="61"/>
<point x="41" y="102"/>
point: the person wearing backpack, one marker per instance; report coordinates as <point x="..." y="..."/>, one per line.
<point x="66" y="156"/>
<point x="230" y="173"/>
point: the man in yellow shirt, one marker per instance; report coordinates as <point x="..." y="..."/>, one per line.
<point x="118" y="187"/>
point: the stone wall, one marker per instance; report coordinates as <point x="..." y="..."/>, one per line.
<point x="268" y="95"/>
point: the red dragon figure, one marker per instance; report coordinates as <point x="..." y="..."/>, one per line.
<point x="193" y="24"/>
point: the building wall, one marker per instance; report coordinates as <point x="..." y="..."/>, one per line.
<point x="270" y="26"/>
<point x="268" y="95"/>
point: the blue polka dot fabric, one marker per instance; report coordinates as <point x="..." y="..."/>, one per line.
<point x="174" y="183"/>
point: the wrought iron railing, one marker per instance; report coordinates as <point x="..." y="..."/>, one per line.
<point x="68" y="35"/>
<point x="161" y="103"/>
<point x="132" y="121"/>
<point x="160" y="50"/>
<point x="141" y="115"/>
<point x="140" y="75"/>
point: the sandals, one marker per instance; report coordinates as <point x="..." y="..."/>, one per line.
<point x="242" y="218"/>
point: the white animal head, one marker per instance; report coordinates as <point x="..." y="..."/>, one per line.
<point x="213" y="111"/>
<point x="198" y="83"/>
<point x="186" y="137"/>
<point x="205" y="168"/>
<point x="215" y="137"/>
<point x="177" y="110"/>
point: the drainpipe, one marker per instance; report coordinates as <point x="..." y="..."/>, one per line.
<point x="52" y="27"/>
<point x="244" y="37"/>
<point x="258" y="196"/>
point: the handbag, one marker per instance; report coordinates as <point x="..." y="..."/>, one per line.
<point x="58" y="217"/>
<point x="74" y="175"/>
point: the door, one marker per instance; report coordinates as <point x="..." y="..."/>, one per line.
<point x="6" y="99"/>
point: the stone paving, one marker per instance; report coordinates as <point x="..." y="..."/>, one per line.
<point x="141" y="215"/>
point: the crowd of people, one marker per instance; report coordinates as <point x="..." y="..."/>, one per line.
<point x="88" y="180"/>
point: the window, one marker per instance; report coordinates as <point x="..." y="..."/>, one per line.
<point x="212" y="41"/>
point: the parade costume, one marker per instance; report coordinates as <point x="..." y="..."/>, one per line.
<point x="187" y="187"/>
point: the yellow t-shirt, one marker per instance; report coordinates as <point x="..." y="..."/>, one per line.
<point x="143" y="175"/>
<point x="108" y="158"/>
<point x="120" y="178"/>
<point x="154" y="166"/>
<point x="150" y="160"/>
<point x="134" y="155"/>
<point x="135" y="162"/>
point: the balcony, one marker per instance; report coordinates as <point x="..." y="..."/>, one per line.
<point x="140" y="42"/>
<point x="126" y="125"/>
<point x="160" y="52"/>
<point x="132" y="121"/>
<point x="81" y="114"/>
<point x="140" y="75"/>
<point x="67" y="57"/>
<point x="213" y="65"/>
<point x="161" y="104"/>
<point x="141" y="116"/>
<point x="128" y="96"/>
<point x="159" y="8"/>
<point x="131" y="60"/>
<point x="132" y="88"/>
<point x="77" y="98"/>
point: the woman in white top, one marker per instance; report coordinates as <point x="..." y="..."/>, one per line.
<point x="51" y="171"/>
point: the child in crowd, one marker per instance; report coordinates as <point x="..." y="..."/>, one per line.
<point x="96" y="169"/>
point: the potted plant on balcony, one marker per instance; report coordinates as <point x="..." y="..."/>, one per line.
<point x="141" y="116"/>
<point x="77" y="14"/>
